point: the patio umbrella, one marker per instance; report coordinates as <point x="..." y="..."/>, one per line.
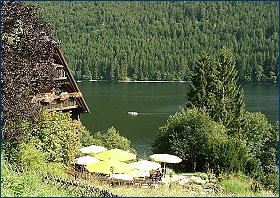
<point x="166" y="158"/>
<point x="145" y="165"/>
<point x="84" y="160"/>
<point x="116" y="154"/>
<point x="122" y="177"/>
<point x="138" y="173"/>
<point x="93" y="149"/>
<point x="109" y="166"/>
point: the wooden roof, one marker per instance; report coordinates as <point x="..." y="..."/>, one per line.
<point x="71" y="86"/>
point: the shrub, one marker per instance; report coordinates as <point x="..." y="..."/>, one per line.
<point x="29" y="183"/>
<point x="27" y="58"/>
<point x="110" y="139"/>
<point x="31" y="158"/>
<point x="188" y="134"/>
<point x="55" y="136"/>
<point x="227" y="156"/>
<point x="256" y="131"/>
<point x="86" y="139"/>
<point x="261" y="139"/>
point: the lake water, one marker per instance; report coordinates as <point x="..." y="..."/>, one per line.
<point x="109" y="103"/>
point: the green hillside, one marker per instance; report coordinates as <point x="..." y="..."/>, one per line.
<point x="161" y="40"/>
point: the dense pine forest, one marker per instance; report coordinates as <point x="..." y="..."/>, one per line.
<point x="162" y="40"/>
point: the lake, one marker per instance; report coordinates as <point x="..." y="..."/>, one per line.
<point x="110" y="103"/>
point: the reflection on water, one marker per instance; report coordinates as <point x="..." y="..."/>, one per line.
<point x="109" y="103"/>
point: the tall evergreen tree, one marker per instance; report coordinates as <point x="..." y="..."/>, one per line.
<point x="213" y="87"/>
<point x="201" y="87"/>
<point x="229" y="96"/>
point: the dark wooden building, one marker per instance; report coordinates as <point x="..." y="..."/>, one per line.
<point x="66" y="97"/>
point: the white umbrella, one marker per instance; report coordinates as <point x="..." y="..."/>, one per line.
<point x="145" y="165"/>
<point x="93" y="149"/>
<point x="138" y="173"/>
<point x="122" y="177"/>
<point x="85" y="160"/>
<point x="166" y="158"/>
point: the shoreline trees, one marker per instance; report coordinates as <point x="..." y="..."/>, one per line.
<point x="214" y="87"/>
<point x="214" y="132"/>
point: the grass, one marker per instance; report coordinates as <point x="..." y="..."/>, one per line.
<point x="234" y="186"/>
<point x="241" y="186"/>
<point x="30" y="183"/>
<point x="161" y="191"/>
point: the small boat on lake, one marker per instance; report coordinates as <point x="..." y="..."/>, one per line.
<point x="132" y="113"/>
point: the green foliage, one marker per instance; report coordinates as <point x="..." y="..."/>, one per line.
<point x="236" y="186"/>
<point x="55" y="136"/>
<point x="241" y="185"/>
<point x="110" y="139"/>
<point x="30" y="158"/>
<point x="230" y="104"/>
<point x="160" y="40"/>
<point x="227" y="156"/>
<point x="214" y="87"/>
<point x="29" y="182"/>
<point x="86" y="139"/>
<point x="259" y="134"/>
<point x="189" y="134"/>
<point x="262" y="144"/>
<point x="9" y="151"/>
<point x="200" y="93"/>
<point x="27" y="60"/>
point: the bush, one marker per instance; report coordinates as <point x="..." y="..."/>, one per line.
<point x="29" y="183"/>
<point x="30" y="158"/>
<point x="86" y="139"/>
<point x="110" y="139"/>
<point x="227" y="156"/>
<point x="55" y="136"/>
<point x="256" y="131"/>
<point x="261" y="139"/>
<point x="188" y="134"/>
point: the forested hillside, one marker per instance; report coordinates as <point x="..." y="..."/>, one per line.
<point x="161" y="40"/>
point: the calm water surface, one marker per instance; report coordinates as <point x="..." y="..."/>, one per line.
<point x="109" y="103"/>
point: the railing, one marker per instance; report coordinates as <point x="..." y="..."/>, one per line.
<point x="61" y="105"/>
<point x="50" y="97"/>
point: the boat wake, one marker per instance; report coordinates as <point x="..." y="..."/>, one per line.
<point x="158" y="114"/>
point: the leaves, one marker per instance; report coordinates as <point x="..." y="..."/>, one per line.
<point x="188" y="134"/>
<point x="110" y="139"/>
<point x="55" y="136"/>
<point x="214" y="87"/>
<point x="27" y="55"/>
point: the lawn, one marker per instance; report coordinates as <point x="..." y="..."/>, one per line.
<point x="32" y="183"/>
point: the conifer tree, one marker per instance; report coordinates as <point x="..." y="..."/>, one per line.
<point x="201" y="87"/>
<point x="229" y="96"/>
<point x="214" y="87"/>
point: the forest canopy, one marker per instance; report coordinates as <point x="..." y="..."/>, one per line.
<point x="161" y="40"/>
